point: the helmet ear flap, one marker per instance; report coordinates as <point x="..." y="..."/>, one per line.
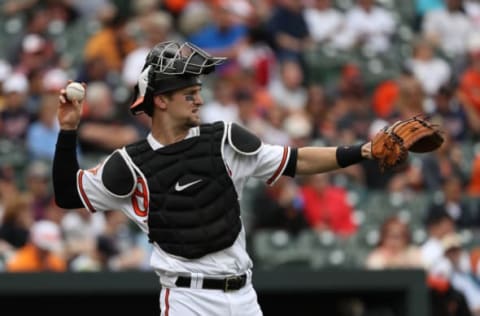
<point x="142" y="92"/>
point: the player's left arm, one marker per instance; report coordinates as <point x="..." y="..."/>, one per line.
<point x="312" y="160"/>
<point x="270" y="162"/>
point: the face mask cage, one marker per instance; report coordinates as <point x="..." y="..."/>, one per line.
<point x="172" y="58"/>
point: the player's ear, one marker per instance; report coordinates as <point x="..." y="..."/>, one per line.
<point x="160" y="101"/>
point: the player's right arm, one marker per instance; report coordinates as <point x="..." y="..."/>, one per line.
<point x="65" y="163"/>
<point x="108" y="186"/>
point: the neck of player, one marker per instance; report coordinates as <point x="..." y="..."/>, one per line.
<point x="168" y="132"/>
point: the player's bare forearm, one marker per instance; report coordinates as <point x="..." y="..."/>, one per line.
<point x="323" y="159"/>
<point x="316" y="160"/>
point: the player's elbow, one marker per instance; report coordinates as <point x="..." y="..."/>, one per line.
<point x="67" y="199"/>
<point x="65" y="203"/>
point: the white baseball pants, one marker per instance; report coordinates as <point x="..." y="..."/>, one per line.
<point x="179" y="301"/>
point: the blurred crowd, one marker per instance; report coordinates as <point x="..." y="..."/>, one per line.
<point x="311" y="72"/>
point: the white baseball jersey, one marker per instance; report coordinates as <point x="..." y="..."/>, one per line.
<point x="268" y="165"/>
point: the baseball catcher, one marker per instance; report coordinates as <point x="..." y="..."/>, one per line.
<point x="182" y="183"/>
<point x="391" y="145"/>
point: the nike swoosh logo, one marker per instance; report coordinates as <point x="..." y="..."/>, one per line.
<point x="179" y="187"/>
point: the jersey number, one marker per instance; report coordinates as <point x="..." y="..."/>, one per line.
<point x="140" y="198"/>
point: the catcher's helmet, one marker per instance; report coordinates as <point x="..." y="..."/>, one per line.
<point x="170" y="66"/>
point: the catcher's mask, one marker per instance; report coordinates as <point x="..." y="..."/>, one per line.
<point x="170" y="66"/>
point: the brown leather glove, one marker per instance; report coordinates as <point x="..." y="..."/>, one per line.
<point x="391" y="145"/>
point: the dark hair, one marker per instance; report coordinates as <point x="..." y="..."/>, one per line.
<point x="437" y="215"/>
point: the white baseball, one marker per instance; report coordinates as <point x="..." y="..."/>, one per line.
<point x="75" y="91"/>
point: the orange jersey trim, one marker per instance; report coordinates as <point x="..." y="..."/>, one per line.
<point x="280" y="167"/>
<point x="167" y="304"/>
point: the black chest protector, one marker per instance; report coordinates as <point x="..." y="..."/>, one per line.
<point x="193" y="207"/>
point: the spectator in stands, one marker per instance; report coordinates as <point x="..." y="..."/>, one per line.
<point x="287" y="89"/>
<point x="279" y="207"/>
<point x="53" y="79"/>
<point x="111" y="43"/>
<point x="327" y="206"/>
<point x="448" y="28"/>
<point x="470" y="78"/>
<point x="154" y="28"/>
<point x="225" y="33"/>
<point x="37" y="19"/>
<point x="37" y="54"/>
<point x="452" y="269"/>
<point x="37" y="185"/>
<point x="395" y="248"/>
<point x="444" y="163"/>
<point x="257" y="57"/>
<point x="288" y="30"/>
<point x="316" y="109"/>
<point x="5" y="72"/>
<point x="422" y="7"/>
<point x="16" y="221"/>
<point x="41" y="253"/>
<point x="367" y="26"/>
<point x="222" y="106"/>
<point x="250" y="117"/>
<point x="246" y="80"/>
<point x="474" y="182"/>
<point x="273" y="130"/>
<point x="117" y="248"/>
<point x="176" y="7"/>
<point x="475" y="261"/>
<point x="438" y="225"/>
<point x="445" y="300"/>
<point x="384" y="96"/>
<point x="299" y="128"/>
<point x="8" y="186"/>
<point x="410" y="99"/>
<point x="15" y="119"/>
<point x="432" y="71"/>
<point x="41" y="134"/>
<point x="351" y="112"/>
<point x="93" y="70"/>
<point x="451" y="115"/>
<point x="324" y="22"/>
<point x="195" y="16"/>
<point x="247" y="114"/>
<point x="61" y="13"/>
<point x="453" y="204"/>
<point x="472" y="8"/>
<point x="80" y="230"/>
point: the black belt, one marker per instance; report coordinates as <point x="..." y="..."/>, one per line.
<point x="230" y="283"/>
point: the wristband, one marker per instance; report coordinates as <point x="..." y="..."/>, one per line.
<point x="349" y="155"/>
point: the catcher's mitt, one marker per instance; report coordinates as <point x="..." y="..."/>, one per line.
<point x="391" y="145"/>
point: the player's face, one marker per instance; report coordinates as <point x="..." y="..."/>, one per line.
<point x="185" y="106"/>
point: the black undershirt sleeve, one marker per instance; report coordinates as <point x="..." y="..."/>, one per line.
<point x="291" y="167"/>
<point x="65" y="167"/>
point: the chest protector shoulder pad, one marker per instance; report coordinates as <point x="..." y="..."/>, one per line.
<point x="242" y="140"/>
<point x="118" y="176"/>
